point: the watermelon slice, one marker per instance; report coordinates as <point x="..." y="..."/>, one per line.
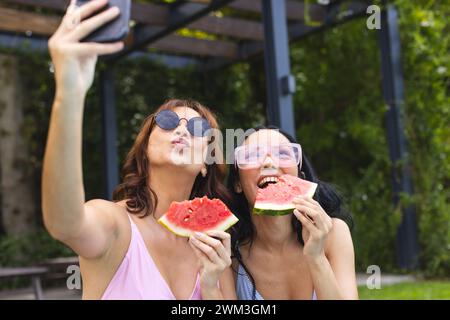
<point x="276" y="198"/>
<point x="200" y="214"/>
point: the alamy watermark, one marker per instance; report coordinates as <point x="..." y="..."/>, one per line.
<point x="374" y="20"/>
<point x="74" y="279"/>
<point x="374" y="280"/>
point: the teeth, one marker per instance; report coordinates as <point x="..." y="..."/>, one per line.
<point x="268" y="179"/>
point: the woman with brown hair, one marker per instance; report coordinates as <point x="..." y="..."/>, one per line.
<point x="124" y="252"/>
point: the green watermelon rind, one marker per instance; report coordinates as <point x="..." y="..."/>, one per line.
<point x="183" y="232"/>
<point x="274" y="209"/>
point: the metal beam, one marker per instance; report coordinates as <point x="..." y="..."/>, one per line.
<point x="109" y="132"/>
<point x="280" y="82"/>
<point x="168" y="60"/>
<point x="196" y="47"/>
<point x="231" y="27"/>
<point x="335" y="15"/>
<point x="150" y="13"/>
<point x="40" y="44"/>
<point x="178" y="18"/>
<point x="393" y="92"/>
<point x="158" y="15"/>
<point x="19" y="42"/>
<point x="295" y="10"/>
<point x="45" y="25"/>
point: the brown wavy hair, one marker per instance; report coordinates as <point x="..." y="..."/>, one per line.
<point x="141" y="199"/>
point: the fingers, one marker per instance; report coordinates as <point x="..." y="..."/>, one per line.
<point x="321" y="223"/>
<point x="99" y="48"/>
<point x="72" y="6"/>
<point x="315" y="208"/>
<point x="306" y="222"/>
<point x="74" y="15"/>
<point x="218" y="234"/>
<point x="307" y="201"/>
<point x="206" y="249"/>
<point x="224" y="237"/>
<point x="88" y="26"/>
<point x="315" y="215"/>
<point x="309" y="212"/>
<point x="200" y="255"/>
<point x="89" y="8"/>
<point x="72" y="18"/>
<point x="216" y="245"/>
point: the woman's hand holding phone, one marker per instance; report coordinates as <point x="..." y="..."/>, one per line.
<point x="74" y="61"/>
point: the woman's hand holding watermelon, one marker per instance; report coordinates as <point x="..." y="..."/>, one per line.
<point x="213" y="249"/>
<point x="316" y="225"/>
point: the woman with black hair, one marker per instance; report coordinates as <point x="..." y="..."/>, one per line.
<point x="303" y="255"/>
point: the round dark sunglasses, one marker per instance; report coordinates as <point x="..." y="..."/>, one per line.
<point x="169" y="120"/>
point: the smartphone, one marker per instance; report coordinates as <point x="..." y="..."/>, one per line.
<point x="116" y="29"/>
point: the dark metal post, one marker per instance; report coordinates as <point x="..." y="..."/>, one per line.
<point x="280" y="82"/>
<point x="109" y="131"/>
<point x="407" y="244"/>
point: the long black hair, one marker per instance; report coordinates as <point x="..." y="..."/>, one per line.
<point x="245" y="232"/>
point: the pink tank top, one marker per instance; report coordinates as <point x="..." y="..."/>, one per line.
<point x="138" y="277"/>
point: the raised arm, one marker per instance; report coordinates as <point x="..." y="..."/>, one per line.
<point x="328" y="251"/>
<point x="86" y="228"/>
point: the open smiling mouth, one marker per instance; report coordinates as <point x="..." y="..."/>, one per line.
<point x="265" y="181"/>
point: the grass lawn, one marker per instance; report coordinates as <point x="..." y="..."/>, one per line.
<point x="423" y="290"/>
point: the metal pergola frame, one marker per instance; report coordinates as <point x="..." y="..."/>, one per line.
<point x="237" y="40"/>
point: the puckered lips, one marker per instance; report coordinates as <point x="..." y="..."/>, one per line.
<point x="180" y="142"/>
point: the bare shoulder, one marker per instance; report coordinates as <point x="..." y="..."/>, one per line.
<point x="112" y="212"/>
<point x="339" y="227"/>
<point x="106" y="229"/>
<point x="105" y="206"/>
<point x="339" y="235"/>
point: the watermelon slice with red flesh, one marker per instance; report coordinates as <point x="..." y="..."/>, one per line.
<point x="276" y="198"/>
<point x="200" y="214"/>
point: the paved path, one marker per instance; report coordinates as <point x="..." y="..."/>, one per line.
<point x="386" y="279"/>
<point x="49" y="294"/>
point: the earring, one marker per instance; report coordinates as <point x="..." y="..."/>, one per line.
<point x="238" y="188"/>
<point x="204" y="172"/>
<point x="302" y="175"/>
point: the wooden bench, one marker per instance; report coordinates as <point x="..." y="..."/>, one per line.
<point x="34" y="272"/>
<point x="58" y="266"/>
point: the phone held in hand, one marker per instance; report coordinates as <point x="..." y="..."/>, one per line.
<point x="114" y="30"/>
